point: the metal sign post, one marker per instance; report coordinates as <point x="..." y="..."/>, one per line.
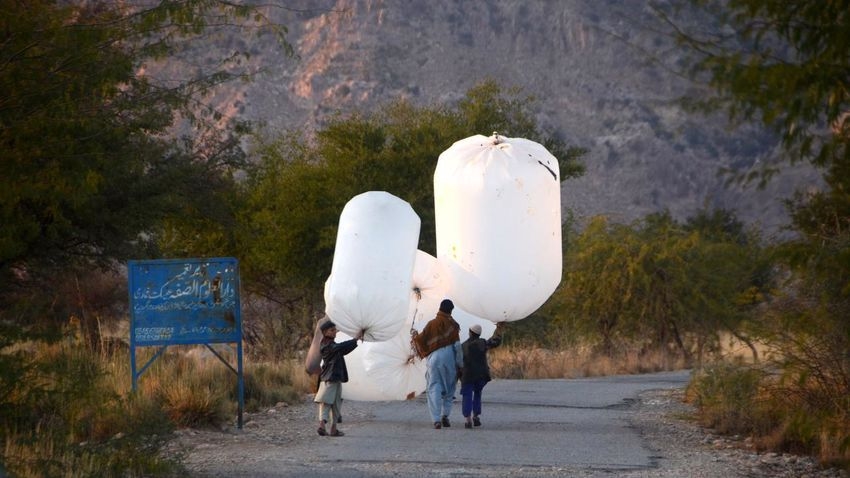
<point x="185" y="302"/>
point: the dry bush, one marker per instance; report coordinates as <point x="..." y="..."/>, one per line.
<point x="810" y="347"/>
<point x="275" y="331"/>
<point x="192" y="403"/>
<point x="198" y="390"/>
<point x="269" y="384"/>
<point x="780" y="412"/>
<point x="67" y="419"/>
<point x="731" y="398"/>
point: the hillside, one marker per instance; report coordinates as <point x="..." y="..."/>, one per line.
<point x="588" y="63"/>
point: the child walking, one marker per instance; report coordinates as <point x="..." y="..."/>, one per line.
<point x="334" y="374"/>
<point x="476" y="373"/>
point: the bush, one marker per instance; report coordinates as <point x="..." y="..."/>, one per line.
<point x="66" y="420"/>
<point x="730" y="399"/>
<point x="268" y="384"/>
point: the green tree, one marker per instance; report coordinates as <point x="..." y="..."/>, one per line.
<point x="655" y="284"/>
<point x="787" y="65"/>
<point x="718" y="224"/>
<point x="95" y="148"/>
<point x="597" y="287"/>
<point x="97" y="151"/>
<point x="302" y="184"/>
<point x="784" y="64"/>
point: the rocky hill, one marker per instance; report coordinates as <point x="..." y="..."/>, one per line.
<point x="589" y="62"/>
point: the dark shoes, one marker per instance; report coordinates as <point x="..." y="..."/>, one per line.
<point x="467" y="425"/>
<point x="322" y="431"/>
<point x="476" y="421"/>
<point x="443" y="423"/>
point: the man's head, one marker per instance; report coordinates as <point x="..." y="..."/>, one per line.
<point x="447" y="306"/>
<point x="328" y="329"/>
<point x="475" y="329"/>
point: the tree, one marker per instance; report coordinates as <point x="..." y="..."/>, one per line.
<point x="784" y="64"/>
<point x="597" y="287"/>
<point x="96" y="152"/>
<point x="717" y="224"/>
<point x="656" y="284"/>
<point x="787" y="65"/>
<point x="95" y="148"/>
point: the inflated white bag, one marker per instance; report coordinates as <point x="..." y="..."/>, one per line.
<point x="498" y="225"/>
<point x="360" y="386"/>
<point x="387" y="370"/>
<point x="430" y="286"/>
<point x="391" y="370"/>
<point x="369" y="286"/>
<point x="467" y="320"/>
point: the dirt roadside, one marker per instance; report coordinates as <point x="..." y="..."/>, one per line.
<point x="681" y="448"/>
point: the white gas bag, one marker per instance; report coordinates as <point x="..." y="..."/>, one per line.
<point x="498" y="224"/>
<point x="369" y="285"/>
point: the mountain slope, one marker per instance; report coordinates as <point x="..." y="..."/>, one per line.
<point x="588" y="62"/>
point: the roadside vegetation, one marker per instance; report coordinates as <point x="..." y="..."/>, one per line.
<point x="787" y="67"/>
<point x="93" y="177"/>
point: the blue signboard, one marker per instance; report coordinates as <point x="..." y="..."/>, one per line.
<point x="185" y="302"/>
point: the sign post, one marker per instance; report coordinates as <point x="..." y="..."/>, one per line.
<point x="185" y="302"/>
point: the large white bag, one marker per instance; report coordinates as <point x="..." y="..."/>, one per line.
<point x="498" y="225"/>
<point x="369" y="286"/>
<point x="391" y="370"/>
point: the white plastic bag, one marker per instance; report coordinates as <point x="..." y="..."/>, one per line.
<point x="498" y="225"/>
<point x="369" y="286"/>
<point x="391" y="370"/>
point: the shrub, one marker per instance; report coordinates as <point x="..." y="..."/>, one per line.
<point x="66" y="420"/>
<point x="268" y="384"/>
<point x="729" y="398"/>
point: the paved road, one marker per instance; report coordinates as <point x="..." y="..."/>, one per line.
<point x="531" y="425"/>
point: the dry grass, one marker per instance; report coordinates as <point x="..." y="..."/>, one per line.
<point x="197" y="389"/>
<point x="77" y="416"/>
<point x="537" y="363"/>
<point x="68" y="419"/>
<point x="26" y="453"/>
<point x="778" y="414"/>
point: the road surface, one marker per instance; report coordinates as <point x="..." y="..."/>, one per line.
<point x="575" y="427"/>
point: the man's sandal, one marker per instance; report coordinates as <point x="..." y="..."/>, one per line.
<point x="336" y="433"/>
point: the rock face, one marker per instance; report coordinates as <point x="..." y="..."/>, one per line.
<point x="588" y="62"/>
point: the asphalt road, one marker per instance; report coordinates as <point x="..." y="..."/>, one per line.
<point x="530" y="425"/>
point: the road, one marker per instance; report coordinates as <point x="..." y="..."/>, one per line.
<point x="576" y="427"/>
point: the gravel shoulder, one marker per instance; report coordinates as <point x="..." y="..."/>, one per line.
<point x="680" y="448"/>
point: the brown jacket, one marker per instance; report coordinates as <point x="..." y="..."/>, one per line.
<point x="442" y="330"/>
